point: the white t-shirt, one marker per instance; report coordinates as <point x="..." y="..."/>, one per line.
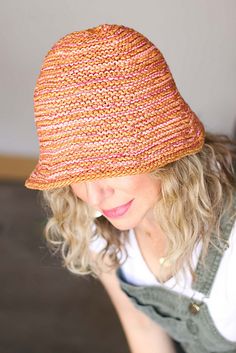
<point x="222" y="300"/>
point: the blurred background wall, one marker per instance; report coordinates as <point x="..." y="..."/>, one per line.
<point x="197" y="38"/>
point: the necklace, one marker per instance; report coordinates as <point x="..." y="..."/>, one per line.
<point x="162" y="260"/>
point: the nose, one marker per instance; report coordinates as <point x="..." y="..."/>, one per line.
<point x="97" y="192"/>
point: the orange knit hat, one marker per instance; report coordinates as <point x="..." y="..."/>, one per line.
<point x="106" y="105"/>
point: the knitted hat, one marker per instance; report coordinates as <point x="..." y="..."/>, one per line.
<point x="106" y="105"/>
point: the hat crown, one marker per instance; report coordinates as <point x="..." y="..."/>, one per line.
<point x="106" y="104"/>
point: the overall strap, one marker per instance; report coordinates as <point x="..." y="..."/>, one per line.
<point x="206" y="274"/>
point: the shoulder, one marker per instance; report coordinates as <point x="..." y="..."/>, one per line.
<point x="225" y="281"/>
<point x="230" y="253"/>
<point x="222" y="303"/>
<point x="229" y="256"/>
<point x="98" y="243"/>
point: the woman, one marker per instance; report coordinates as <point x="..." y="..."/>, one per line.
<point x="139" y="195"/>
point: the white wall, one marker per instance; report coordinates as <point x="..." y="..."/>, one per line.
<point x="197" y="38"/>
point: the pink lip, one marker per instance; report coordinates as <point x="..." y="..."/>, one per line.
<point x="118" y="211"/>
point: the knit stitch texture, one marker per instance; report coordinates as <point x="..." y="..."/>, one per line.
<point x="106" y="105"/>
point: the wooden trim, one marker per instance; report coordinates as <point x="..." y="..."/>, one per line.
<point x="16" y="167"/>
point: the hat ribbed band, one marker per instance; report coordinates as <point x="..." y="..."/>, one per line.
<point x="106" y="105"/>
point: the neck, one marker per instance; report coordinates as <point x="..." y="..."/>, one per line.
<point x="151" y="230"/>
<point x="152" y="239"/>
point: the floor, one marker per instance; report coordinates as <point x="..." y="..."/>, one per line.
<point x="43" y="307"/>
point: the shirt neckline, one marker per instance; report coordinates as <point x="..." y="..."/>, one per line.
<point x="171" y="282"/>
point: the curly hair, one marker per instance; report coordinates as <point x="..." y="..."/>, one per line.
<point x="196" y="192"/>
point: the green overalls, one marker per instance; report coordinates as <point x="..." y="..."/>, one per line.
<point x="186" y="321"/>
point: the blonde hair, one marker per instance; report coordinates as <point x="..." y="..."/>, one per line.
<point x="196" y="192"/>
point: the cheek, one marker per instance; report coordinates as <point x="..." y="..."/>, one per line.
<point x="150" y="190"/>
<point x="145" y="184"/>
<point x="134" y="184"/>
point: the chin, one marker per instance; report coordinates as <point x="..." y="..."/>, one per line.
<point x="123" y="224"/>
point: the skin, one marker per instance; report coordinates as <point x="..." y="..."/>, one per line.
<point x="107" y="193"/>
<point x="144" y="190"/>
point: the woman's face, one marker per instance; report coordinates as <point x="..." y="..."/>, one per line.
<point x="125" y="201"/>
